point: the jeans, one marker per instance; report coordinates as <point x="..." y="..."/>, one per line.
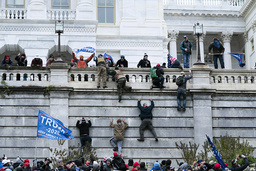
<point x="184" y="94"/>
<point x="84" y="140"/>
<point x="215" y="58"/>
<point x="146" y="123"/>
<point x="116" y="143"/>
<point x="186" y="57"/>
<point x="176" y="64"/>
<point x="158" y="82"/>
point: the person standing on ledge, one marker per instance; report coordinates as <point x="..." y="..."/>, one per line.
<point x="144" y="63"/>
<point x="186" y="47"/>
<point x="146" y="117"/>
<point x="101" y="70"/>
<point x="217" y="48"/>
<point x="182" y="85"/>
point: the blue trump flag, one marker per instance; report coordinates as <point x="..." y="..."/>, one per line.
<point x="105" y="55"/>
<point x="51" y="128"/>
<point x="216" y="153"/>
<point x="239" y="57"/>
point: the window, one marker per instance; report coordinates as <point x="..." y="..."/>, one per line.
<point x="106" y="11"/>
<point x="15" y="3"/>
<point x="60" y="4"/>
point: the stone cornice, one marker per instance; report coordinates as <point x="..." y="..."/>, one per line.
<point x="202" y="13"/>
<point x="247" y="5"/>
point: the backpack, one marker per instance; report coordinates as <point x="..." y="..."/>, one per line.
<point x="179" y="81"/>
<point x="119" y="164"/>
<point x="153" y="73"/>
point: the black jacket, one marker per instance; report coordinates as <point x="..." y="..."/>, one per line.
<point x="120" y="62"/>
<point x="146" y="112"/>
<point x="84" y="127"/>
<point x="241" y="168"/>
<point x="144" y="63"/>
<point x="159" y="71"/>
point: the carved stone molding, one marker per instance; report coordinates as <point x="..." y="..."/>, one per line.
<point x="173" y="35"/>
<point x="129" y="44"/>
<point x="245" y="36"/>
<point x="47" y="29"/>
<point x="226" y="36"/>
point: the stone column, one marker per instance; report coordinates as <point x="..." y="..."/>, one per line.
<point x="37" y="10"/>
<point x="226" y="37"/>
<point x="173" y="35"/>
<point x="128" y="9"/>
<point x="201" y="44"/>
<point x="253" y="56"/>
<point x="86" y="10"/>
<point x="202" y="102"/>
<point x="247" y="58"/>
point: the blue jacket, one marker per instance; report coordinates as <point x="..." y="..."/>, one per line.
<point x="183" y="47"/>
<point x="145" y="112"/>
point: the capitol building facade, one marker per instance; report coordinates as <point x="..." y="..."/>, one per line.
<point x="129" y="28"/>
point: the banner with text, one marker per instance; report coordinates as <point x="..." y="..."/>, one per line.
<point x="51" y="128"/>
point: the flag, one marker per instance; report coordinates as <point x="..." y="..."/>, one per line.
<point x="105" y="55"/>
<point x="51" y="128"/>
<point x="83" y="51"/>
<point x="217" y="154"/>
<point x="239" y="57"/>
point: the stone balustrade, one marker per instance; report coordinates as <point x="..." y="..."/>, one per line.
<point x="206" y="2"/>
<point x="137" y="78"/>
<point x="61" y="14"/>
<point x="13" y="13"/>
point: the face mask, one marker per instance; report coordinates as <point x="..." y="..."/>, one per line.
<point x="119" y="123"/>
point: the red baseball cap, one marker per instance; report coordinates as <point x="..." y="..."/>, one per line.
<point x="136" y="164"/>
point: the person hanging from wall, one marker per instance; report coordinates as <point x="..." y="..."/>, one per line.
<point x="119" y="129"/>
<point x="186" y="47"/>
<point x="21" y="59"/>
<point x="146" y="117"/>
<point x="144" y="63"/>
<point x="121" y="82"/>
<point x="156" y="74"/>
<point x="37" y="61"/>
<point x="173" y="62"/>
<point x="50" y="60"/>
<point x="84" y="63"/>
<point x="181" y="82"/>
<point x="6" y="61"/>
<point x="217" y="48"/>
<point x="84" y="127"/>
<point x="101" y="70"/>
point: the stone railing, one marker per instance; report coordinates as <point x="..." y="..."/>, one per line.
<point x="137" y="78"/>
<point x="13" y="13"/>
<point x="206" y="2"/>
<point x="60" y="14"/>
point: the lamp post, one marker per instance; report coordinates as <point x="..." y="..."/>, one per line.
<point x="59" y="28"/>
<point x="198" y="30"/>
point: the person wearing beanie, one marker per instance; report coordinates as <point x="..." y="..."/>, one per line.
<point x="101" y="70"/>
<point x="121" y="82"/>
<point x="136" y="166"/>
<point x="144" y="63"/>
<point x="84" y="63"/>
<point x="84" y="127"/>
<point x="118" y="163"/>
<point x="21" y="59"/>
<point x="158" y="81"/>
<point x="156" y="167"/>
<point x="122" y="62"/>
<point x="182" y="89"/>
<point x="6" y="61"/>
<point x="108" y="166"/>
<point x="146" y="117"/>
<point x="117" y="140"/>
<point x="236" y="167"/>
<point x="186" y="47"/>
<point x="217" y="51"/>
<point x="50" y="60"/>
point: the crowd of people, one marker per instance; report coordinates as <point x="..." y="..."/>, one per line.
<point x="117" y="163"/>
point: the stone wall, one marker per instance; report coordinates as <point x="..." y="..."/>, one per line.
<point x="218" y="103"/>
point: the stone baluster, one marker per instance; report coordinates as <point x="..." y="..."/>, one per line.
<point x="173" y="36"/>
<point x="226" y="37"/>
